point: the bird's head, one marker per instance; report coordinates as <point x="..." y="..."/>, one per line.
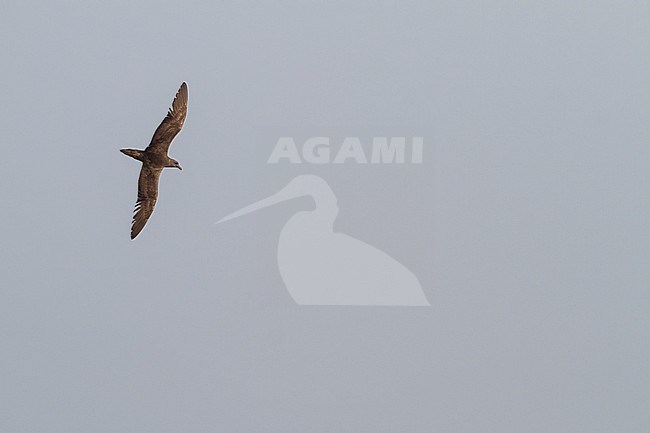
<point x="174" y="164"/>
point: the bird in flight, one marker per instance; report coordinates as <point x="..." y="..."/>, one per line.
<point x="154" y="158"/>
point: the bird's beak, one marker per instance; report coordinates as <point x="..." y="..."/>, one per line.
<point x="278" y="197"/>
<point x="179" y="167"/>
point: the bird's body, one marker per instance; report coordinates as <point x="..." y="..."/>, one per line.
<point x="154" y="158"/>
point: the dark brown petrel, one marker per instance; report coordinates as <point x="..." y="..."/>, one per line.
<point x="154" y="158"/>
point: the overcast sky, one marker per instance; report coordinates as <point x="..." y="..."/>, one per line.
<point x="526" y="223"/>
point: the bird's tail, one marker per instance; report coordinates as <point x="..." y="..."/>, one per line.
<point x="133" y="153"/>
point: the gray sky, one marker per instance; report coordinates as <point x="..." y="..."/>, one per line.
<point x="527" y="223"/>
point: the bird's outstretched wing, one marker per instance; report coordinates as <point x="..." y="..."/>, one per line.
<point x="147" y="196"/>
<point x="171" y="124"/>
